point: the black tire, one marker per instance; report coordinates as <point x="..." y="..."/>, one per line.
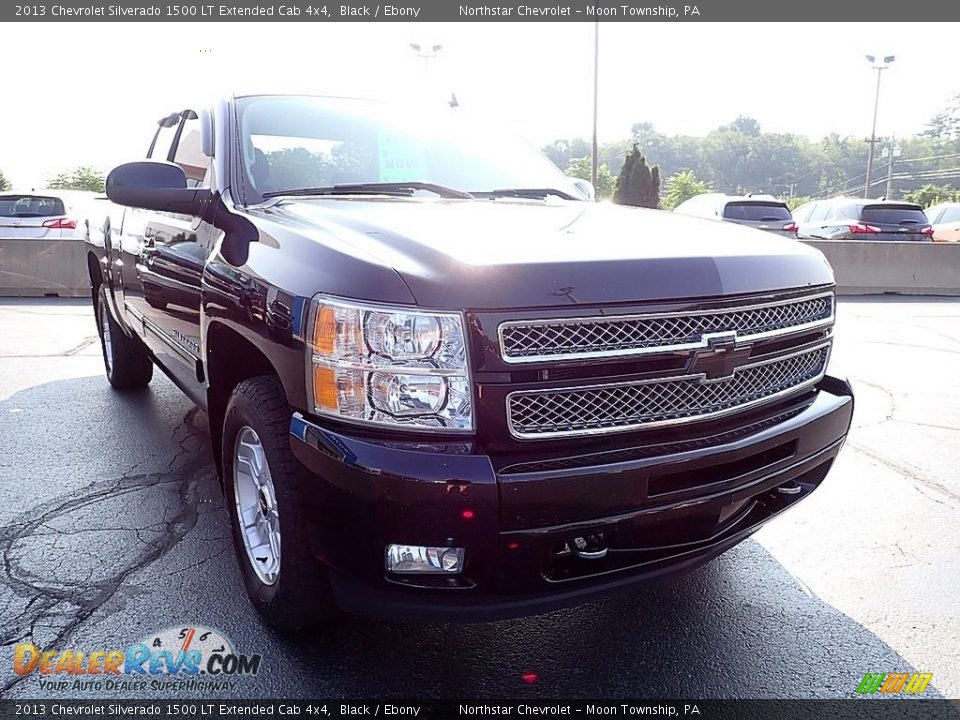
<point x="125" y="359"/>
<point x="300" y="595"/>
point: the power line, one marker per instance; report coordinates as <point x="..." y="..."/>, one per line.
<point x="838" y="186"/>
<point x="930" y="157"/>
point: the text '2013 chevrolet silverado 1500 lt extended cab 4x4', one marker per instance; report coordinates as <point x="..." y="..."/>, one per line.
<point x="441" y="383"/>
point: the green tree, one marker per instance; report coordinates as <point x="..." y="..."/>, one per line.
<point x="945" y="125"/>
<point x="743" y="125"/>
<point x="682" y="186"/>
<point x="581" y="167"/>
<point x="80" y="178"/>
<point x="4" y="183"/>
<point x="796" y="201"/>
<point x="739" y="157"/>
<point x="638" y="184"/>
<point x="564" y="152"/>
<point x="930" y="194"/>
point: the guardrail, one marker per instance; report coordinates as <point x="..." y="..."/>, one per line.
<point x="34" y="268"/>
<point x="864" y="267"/>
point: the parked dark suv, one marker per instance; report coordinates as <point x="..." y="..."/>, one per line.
<point x="441" y="385"/>
<point x="858" y="219"/>
<point x="763" y="212"/>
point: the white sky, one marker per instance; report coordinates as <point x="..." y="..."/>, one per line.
<point x="94" y="90"/>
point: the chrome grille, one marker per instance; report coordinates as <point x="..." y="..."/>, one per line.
<point x="668" y="401"/>
<point x="525" y="341"/>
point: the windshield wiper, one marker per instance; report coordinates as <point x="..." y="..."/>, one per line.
<point x="535" y="193"/>
<point x="376" y="188"/>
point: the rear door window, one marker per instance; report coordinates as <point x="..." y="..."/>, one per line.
<point x="843" y="212"/>
<point x="950" y="215"/>
<point x="893" y="215"/>
<point x="820" y="212"/>
<point x="802" y="213"/>
<point x="757" y="212"/>
<point x="31" y="206"/>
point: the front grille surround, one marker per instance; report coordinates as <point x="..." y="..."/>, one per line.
<point x="623" y="336"/>
<point x="618" y="407"/>
<point x="642" y="452"/>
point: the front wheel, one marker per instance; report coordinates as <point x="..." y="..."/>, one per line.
<point x="125" y="359"/>
<point x="264" y="486"/>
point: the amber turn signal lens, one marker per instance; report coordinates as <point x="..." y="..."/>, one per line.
<point x="325" y="388"/>
<point x="325" y="331"/>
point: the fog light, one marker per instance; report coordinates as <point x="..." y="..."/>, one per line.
<point x="420" y="559"/>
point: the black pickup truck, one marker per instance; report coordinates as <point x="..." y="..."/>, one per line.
<point x="443" y="384"/>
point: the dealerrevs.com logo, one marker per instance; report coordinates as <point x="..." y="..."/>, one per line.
<point x="182" y="658"/>
<point x="893" y="683"/>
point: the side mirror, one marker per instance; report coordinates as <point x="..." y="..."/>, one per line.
<point x="155" y="185"/>
<point x="585" y="188"/>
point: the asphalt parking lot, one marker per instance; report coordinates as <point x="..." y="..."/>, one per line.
<point x="112" y="527"/>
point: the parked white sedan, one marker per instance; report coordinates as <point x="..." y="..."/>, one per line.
<point x="945" y="219"/>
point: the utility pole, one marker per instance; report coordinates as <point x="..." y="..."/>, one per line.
<point x="892" y="152"/>
<point x="879" y="67"/>
<point x="596" y="64"/>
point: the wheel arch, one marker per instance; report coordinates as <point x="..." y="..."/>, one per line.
<point x="231" y="357"/>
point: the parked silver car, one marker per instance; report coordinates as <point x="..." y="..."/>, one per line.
<point x="41" y="215"/>
<point x="844" y="218"/>
<point x="763" y="212"/>
<point x="41" y="248"/>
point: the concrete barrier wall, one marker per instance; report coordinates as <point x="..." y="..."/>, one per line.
<point x="863" y="267"/>
<point x="44" y="267"/>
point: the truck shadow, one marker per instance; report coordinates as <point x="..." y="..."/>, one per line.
<point x="741" y="626"/>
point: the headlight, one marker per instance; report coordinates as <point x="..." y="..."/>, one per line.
<point x="388" y="366"/>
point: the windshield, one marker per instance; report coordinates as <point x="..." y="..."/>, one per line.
<point x="754" y="211"/>
<point x="291" y="143"/>
<point x="30" y="206"/>
<point x="893" y="215"/>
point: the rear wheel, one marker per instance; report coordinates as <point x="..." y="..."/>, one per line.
<point x="125" y="358"/>
<point x="264" y="486"/>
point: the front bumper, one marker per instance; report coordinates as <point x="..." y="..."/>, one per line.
<point x="658" y="514"/>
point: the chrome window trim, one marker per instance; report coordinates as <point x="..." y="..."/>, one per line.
<point x="699" y="377"/>
<point x="663" y="349"/>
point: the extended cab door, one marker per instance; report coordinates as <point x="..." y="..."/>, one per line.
<point x="172" y="253"/>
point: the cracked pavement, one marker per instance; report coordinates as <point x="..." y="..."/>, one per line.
<point x="112" y="527"/>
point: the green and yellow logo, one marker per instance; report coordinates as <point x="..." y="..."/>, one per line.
<point x="892" y="683"/>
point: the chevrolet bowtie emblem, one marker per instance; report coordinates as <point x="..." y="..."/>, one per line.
<point x="720" y="359"/>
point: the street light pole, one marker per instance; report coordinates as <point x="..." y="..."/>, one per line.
<point x="427" y="52"/>
<point x="596" y="64"/>
<point x="879" y="67"/>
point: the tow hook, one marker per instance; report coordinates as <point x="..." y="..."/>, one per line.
<point x="590" y="547"/>
<point x="790" y="488"/>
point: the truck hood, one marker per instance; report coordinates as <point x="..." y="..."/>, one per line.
<point x="473" y="255"/>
